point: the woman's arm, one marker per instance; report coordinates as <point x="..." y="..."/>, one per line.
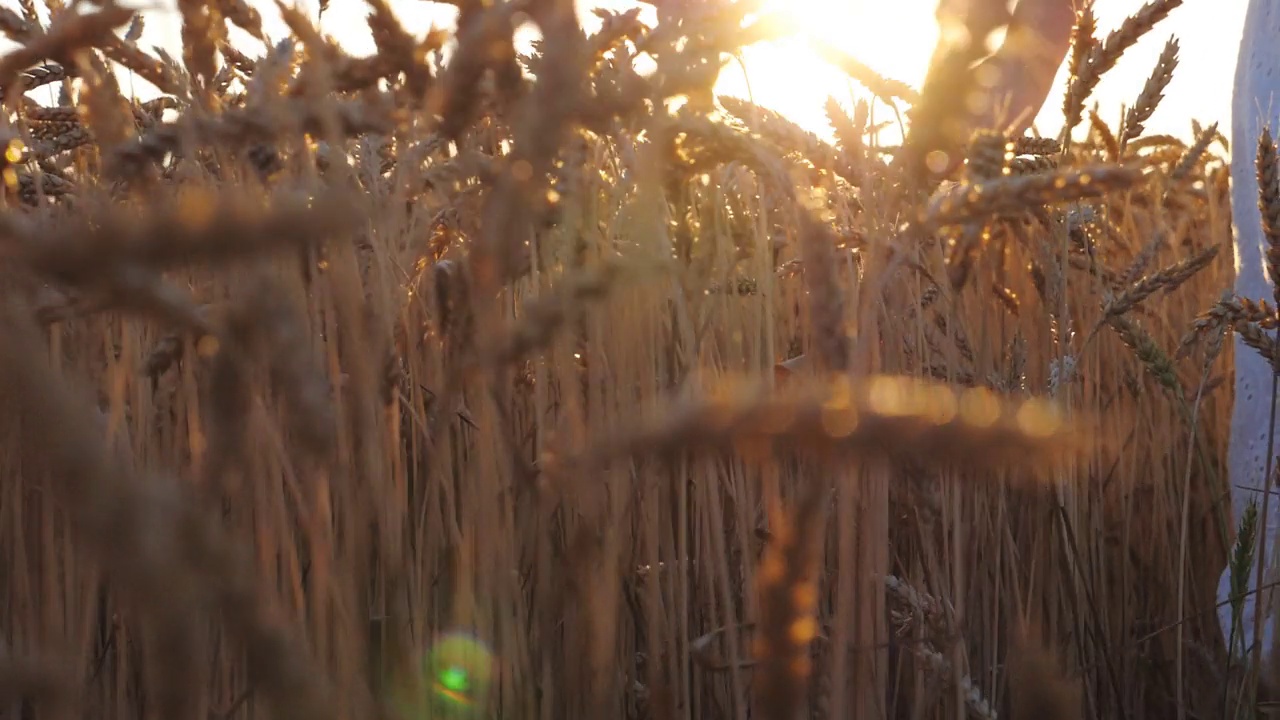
<point x="1007" y="89"/>
<point x="1020" y="74"/>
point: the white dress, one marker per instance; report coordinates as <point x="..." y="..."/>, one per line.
<point x="1256" y="103"/>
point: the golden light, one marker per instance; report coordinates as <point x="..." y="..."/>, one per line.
<point x="894" y="39"/>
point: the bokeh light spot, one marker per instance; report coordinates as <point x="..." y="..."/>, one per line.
<point x="454" y="678"/>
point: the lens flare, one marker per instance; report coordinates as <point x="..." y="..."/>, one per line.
<point x="456" y="674"/>
<point x="454" y="679"/>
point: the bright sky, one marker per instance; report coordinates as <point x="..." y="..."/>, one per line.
<point x="894" y="38"/>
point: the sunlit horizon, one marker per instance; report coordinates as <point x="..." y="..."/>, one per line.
<point x="788" y="77"/>
<point x="894" y="39"/>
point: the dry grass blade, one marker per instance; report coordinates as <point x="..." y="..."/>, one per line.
<point x="880" y="417"/>
<point x="1152" y="93"/>
<point x="1083" y="45"/>
<point x="195" y="227"/>
<point x="243" y="15"/>
<point x="849" y="131"/>
<point x="107" y="115"/>
<point x="989" y="152"/>
<point x="887" y="89"/>
<point x="700" y="144"/>
<point x="547" y="113"/>
<point x="38" y="76"/>
<point x="1228" y="312"/>
<point x="789" y="137"/>
<point x="239" y="127"/>
<point x="1158" y="142"/>
<point x="1268" y="168"/>
<point x="1194" y="154"/>
<point x="1104" y="57"/>
<point x="1255" y="337"/>
<point x="456" y="96"/>
<point x="131" y="288"/>
<point x="1033" y="164"/>
<point x="1156" y="361"/>
<point x="1012" y="194"/>
<point x="70" y="33"/>
<point x="963" y="254"/>
<point x="152" y="70"/>
<point x="788" y="596"/>
<point x="826" y="300"/>
<point x="1247" y="310"/>
<point x="203" y="30"/>
<point x="1028" y="145"/>
<point x="1167" y="279"/>
<point x="1099" y="127"/>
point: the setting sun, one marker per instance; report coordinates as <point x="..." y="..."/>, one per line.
<point x="897" y="39"/>
<point x="894" y="39"/>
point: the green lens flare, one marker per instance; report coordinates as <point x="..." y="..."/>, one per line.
<point x="454" y="678"/>
<point x="456" y="675"/>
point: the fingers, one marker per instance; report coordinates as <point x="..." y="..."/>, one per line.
<point x="1021" y="73"/>
<point x="955" y="11"/>
<point x="957" y="15"/>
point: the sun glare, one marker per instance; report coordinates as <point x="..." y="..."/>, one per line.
<point x="894" y="39"/>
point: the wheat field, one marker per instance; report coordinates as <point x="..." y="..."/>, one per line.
<point x="455" y="382"/>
